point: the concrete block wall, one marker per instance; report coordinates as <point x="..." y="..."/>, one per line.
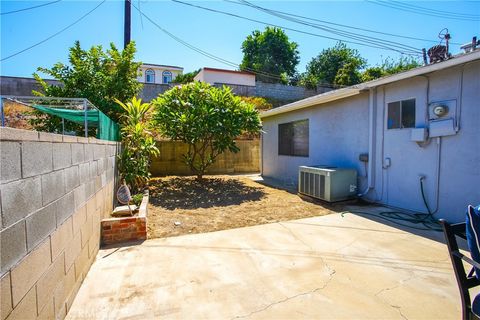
<point x="151" y="91"/>
<point x="170" y="160"/>
<point x="20" y="86"/>
<point x="283" y="92"/>
<point x="54" y="192"/>
<point x="241" y="90"/>
<point x="275" y="91"/>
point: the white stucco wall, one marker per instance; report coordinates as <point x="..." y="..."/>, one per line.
<point x="216" y="76"/>
<point x="158" y="73"/>
<point x="339" y="132"/>
<point x="399" y="184"/>
<point x="460" y="161"/>
<point x="326" y="145"/>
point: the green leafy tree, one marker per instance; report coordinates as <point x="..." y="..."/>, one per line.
<point x="403" y="64"/>
<point x="98" y="75"/>
<point x="372" y="73"/>
<point x="389" y="67"/>
<point x="348" y="74"/>
<point x="270" y="52"/>
<point x="138" y="143"/>
<point x="186" y="77"/>
<point x="338" y="60"/>
<point x="207" y="119"/>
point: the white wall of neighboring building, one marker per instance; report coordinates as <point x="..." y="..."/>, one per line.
<point x="158" y="72"/>
<point x="213" y="76"/>
<point x="339" y="132"/>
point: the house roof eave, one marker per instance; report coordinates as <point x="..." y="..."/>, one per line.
<point x="356" y="89"/>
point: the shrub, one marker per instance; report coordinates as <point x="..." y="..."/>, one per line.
<point x="206" y="118"/>
<point x="137" y="199"/>
<point x="138" y="143"/>
<point x="260" y="103"/>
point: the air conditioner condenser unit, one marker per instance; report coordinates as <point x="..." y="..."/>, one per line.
<point x="327" y="183"/>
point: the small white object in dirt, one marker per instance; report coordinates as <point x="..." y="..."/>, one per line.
<point x="124" y="210"/>
<point x="177" y="223"/>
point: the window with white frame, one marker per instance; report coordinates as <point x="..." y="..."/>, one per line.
<point x="167" y="76"/>
<point x="149" y="76"/>
<point x="401" y="114"/>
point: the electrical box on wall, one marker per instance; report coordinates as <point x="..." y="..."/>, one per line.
<point x="442" y="110"/>
<point x="442" y="128"/>
<point x="419" y="134"/>
<point x="443" y="120"/>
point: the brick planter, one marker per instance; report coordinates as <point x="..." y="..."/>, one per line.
<point x="125" y="229"/>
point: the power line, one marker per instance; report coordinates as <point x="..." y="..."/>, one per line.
<point x="441" y="12"/>
<point x="347" y="34"/>
<point x="202" y="52"/>
<point x="55" y="34"/>
<point x="394" y="5"/>
<point x="345" y="26"/>
<point x="372" y="44"/>
<point x="29" y="8"/>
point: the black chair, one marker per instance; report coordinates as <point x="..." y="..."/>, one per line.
<point x="465" y="280"/>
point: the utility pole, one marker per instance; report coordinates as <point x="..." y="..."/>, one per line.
<point x="127" y="23"/>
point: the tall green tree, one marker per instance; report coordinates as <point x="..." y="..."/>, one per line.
<point x="338" y="65"/>
<point x="186" y="77"/>
<point x="390" y="66"/>
<point x="270" y="52"/>
<point x="207" y="119"/>
<point x="98" y="75"/>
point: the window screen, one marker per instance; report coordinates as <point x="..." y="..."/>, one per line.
<point x="401" y="114"/>
<point x="293" y="138"/>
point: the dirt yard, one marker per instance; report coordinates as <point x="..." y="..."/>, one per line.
<point x="182" y="205"/>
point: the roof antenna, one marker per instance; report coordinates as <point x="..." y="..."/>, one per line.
<point x="440" y="52"/>
<point x="447" y="38"/>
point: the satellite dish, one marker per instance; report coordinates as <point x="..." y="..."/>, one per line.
<point x="124" y="196"/>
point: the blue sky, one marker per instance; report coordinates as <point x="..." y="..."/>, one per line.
<point x="217" y="34"/>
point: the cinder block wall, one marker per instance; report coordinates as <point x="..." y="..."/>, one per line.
<point x="283" y="92"/>
<point x="54" y="191"/>
<point x="170" y="160"/>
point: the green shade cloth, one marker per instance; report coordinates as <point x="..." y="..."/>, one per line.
<point x="107" y="129"/>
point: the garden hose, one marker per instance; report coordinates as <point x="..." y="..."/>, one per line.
<point x="426" y="220"/>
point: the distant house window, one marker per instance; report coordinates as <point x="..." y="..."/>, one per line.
<point x="167" y="76"/>
<point x="149" y="76"/>
<point x="293" y="138"/>
<point x="401" y="114"/>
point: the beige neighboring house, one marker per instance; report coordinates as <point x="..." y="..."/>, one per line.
<point x="224" y="76"/>
<point x="158" y="73"/>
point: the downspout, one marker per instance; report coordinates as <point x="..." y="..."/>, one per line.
<point x="261" y="154"/>
<point x="439" y="151"/>
<point x="372" y="99"/>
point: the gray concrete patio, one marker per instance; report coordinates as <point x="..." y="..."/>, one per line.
<point x="328" y="267"/>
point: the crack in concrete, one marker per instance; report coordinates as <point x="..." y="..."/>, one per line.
<point x="327" y="266"/>
<point x="330" y="277"/>
<point x="401" y="313"/>
<point x="279" y="302"/>
<point x="412" y="276"/>
<point x="296" y="237"/>
<point x="346" y="246"/>
<point x="398" y="308"/>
